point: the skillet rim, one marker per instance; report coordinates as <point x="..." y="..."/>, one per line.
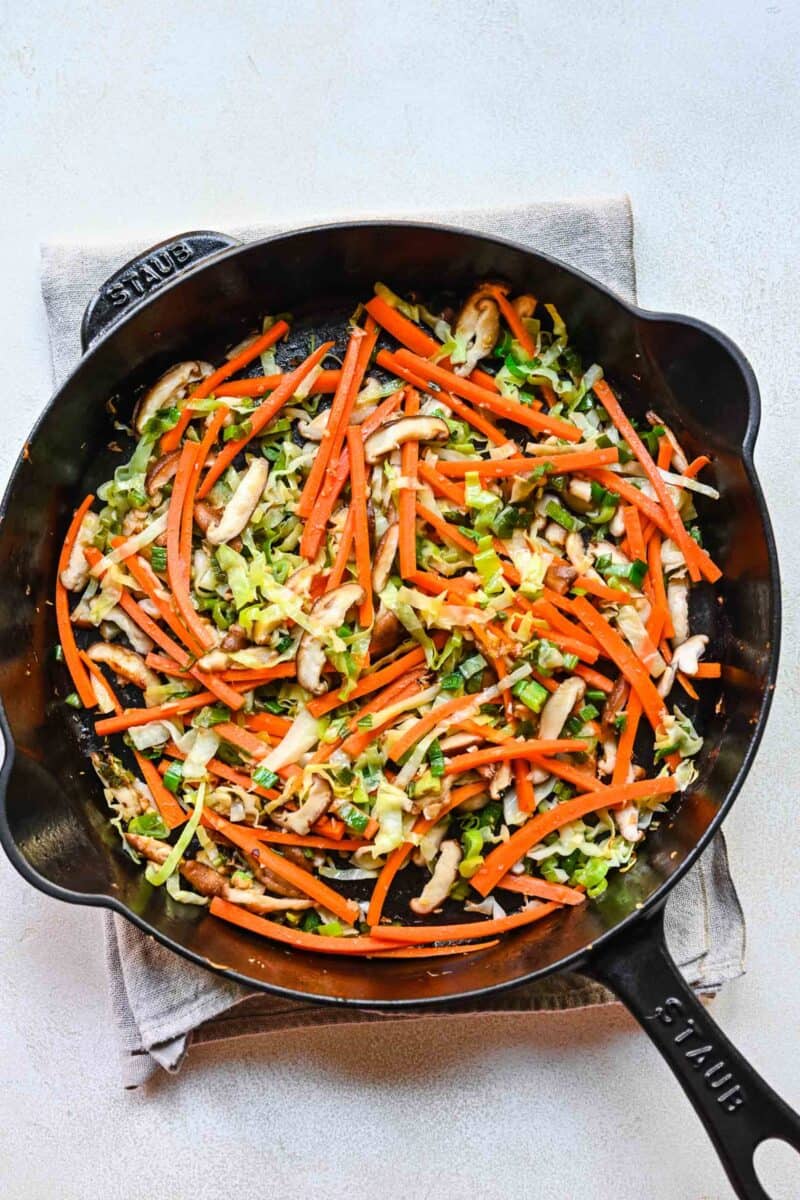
<point x="656" y="900"/>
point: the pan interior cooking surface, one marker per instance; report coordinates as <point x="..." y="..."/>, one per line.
<point x="56" y="812"/>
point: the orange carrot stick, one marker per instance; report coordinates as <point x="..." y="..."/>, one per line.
<point x="459" y="407"/>
<point x="510" y="750"/>
<point x="442" y="486"/>
<point x="467" y="930"/>
<point x="336" y="480"/>
<point x="243" y="740"/>
<point x="234" y="914"/>
<point x="697" y="561"/>
<point x="656" y="577"/>
<point x="409" y="460"/>
<point x="370" y="683"/>
<point x="512" y="318"/>
<point x="621" y="654"/>
<point x="303" y="880"/>
<point x="359" y="739"/>
<point x="358" y="505"/>
<point x="414" y="338"/>
<point x="339" y="567"/>
<point x="594" y="678"/>
<point x="503" y="468"/>
<point x="696" y="466"/>
<point x="172" y="439"/>
<point x="633" y="530"/>
<point x="501" y="406"/>
<point x="326" y="382"/>
<point x="262" y="416"/>
<point x="626" y="740"/>
<point x="405" y="741"/>
<point x="531" y="885"/>
<point x="445" y="530"/>
<point x="526" y="799"/>
<point x="264" y="722"/>
<point x="664" y="454"/>
<point x="66" y="636"/>
<point x="333" y="438"/>
<point x="178" y="557"/>
<point x="503" y="857"/>
<point x="708" y="670"/>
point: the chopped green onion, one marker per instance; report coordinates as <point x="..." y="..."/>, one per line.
<point x="531" y="693"/>
<point x="158" y="558"/>
<point x="595" y="694"/>
<point x="58" y="652"/>
<point x="570" y="661"/>
<point x="73" y="700"/>
<point x="620" y="721"/>
<point x="311" y="921"/>
<point x="353" y="817"/>
<point x="173" y="776"/>
<point x="365" y="722"/>
<point x="452" y="682"/>
<point x="565" y="519"/>
<point x="149" y="824"/>
<point x="330" y="929"/>
<point x="212" y="714"/>
<point x="436" y="759"/>
<point x="588" y="713"/>
<point x="263" y="777"/>
<point x="472" y="666"/>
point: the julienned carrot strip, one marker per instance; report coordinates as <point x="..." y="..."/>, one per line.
<point x="572" y="645"/>
<point x="633" y="530"/>
<point x="333" y="436"/>
<point x="503" y="468"/>
<point x="337" y="478"/>
<point x="414" y="338"/>
<point x="442" y="486"/>
<point x="155" y="591"/>
<point x="697" y="561"/>
<point x="359" y="739"/>
<point x="485" y="733"/>
<point x="526" y="800"/>
<point x="409" y="461"/>
<point x="274" y="837"/>
<point x="656" y="576"/>
<point x="594" y="678"/>
<point x="264" y="722"/>
<point x="531" y="885"/>
<point x="339" y="566"/>
<point x="262" y="416"/>
<point x="178" y="555"/>
<point x="216" y="767"/>
<point x="510" y="750"/>
<point x="242" y="739"/>
<point x="513" y="319"/>
<point x="459" y="407"/>
<point x="686" y="684"/>
<point x="708" y="670"/>
<point x="405" y="741"/>
<point x="601" y="591"/>
<point x="254" y="675"/>
<point x="326" y="381"/>
<point x="234" y="914"/>
<point x="358" y="505"/>
<point x="566" y="771"/>
<point x="503" y="857"/>
<point x="445" y="530"/>
<point x="510" y="410"/>
<point x="627" y="738"/>
<point x="696" y="466"/>
<point x="303" y="880"/>
<point x="467" y="930"/>
<point x="66" y="635"/>
<point x="421" y="826"/>
<point x="620" y="653"/>
<point x="435" y="585"/>
<point x="369" y="683"/>
<point x="172" y="439"/>
<point x="131" y="718"/>
<point x="548" y="608"/>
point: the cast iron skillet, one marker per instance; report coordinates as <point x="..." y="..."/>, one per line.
<point x="192" y="297"/>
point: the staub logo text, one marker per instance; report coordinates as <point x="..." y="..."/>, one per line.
<point x="147" y="274"/>
<point x="702" y="1054"/>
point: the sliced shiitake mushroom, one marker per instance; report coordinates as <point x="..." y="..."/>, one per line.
<point x="117" y="616"/>
<point x="559" y="577"/>
<point x="75" y="575"/>
<point x="241" y="505"/>
<point x="327" y="613"/>
<point x="384" y="557"/>
<point x="315" y="805"/>
<point x="437" y="888"/>
<point x="161" y="472"/>
<point x="174" y="384"/>
<point x="405" y="429"/>
<point x="478" y="328"/>
<point x="386" y="632"/>
<point x="127" y="664"/>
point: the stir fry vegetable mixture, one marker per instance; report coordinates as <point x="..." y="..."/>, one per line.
<point x="405" y="608"/>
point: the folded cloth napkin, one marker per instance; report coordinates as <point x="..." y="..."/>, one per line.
<point x="162" y="1004"/>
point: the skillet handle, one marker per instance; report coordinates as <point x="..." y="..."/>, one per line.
<point x="145" y="274"/>
<point x="737" y="1107"/>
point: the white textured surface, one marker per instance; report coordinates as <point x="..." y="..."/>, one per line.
<point x="154" y="118"/>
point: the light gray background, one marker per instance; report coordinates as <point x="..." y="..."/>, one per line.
<point x="150" y="118"/>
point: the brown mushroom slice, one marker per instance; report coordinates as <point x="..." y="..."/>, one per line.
<point x="405" y="429"/>
<point x="315" y="805"/>
<point x="102" y="694"/>
<point x="559" y="706"/>
<point x="477" y="328"/>
<point x="560" y="578"/>
<point x="141" y="643"/>
<point x="241" y="505"/>
<point x="437" y="888"/>
<point x="235" y="639"/>
<point x="75" y="575"/>
<point x="386" y="632"/>
<point x="678" y="604"/>
<point x="627" y="820"/>
<point x="576" y="553"/>
<point x="384" y="557"/>
<point x="259" y="902"/>
<point x="685" y="658"/>
<point x="205" y="515"/>
<point x="329" y="612"/>
<point x="633" y="629"/>
<point x="272" y="882"/>
<point x="161" y="472"/>
<point x="125" y="663"/>
<point x="314" y="430"/>
<point x="174" y="384"/>
<point x="215" y="660"/>
<point x="524" y="305"/>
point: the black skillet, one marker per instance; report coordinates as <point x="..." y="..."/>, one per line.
<point x="196" y="295"/>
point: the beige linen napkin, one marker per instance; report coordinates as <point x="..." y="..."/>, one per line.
<point x="162" y="1004"/>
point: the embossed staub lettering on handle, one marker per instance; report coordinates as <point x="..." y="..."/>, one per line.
<point x="696" y="1047"/>
<point x="148" y="274"/>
